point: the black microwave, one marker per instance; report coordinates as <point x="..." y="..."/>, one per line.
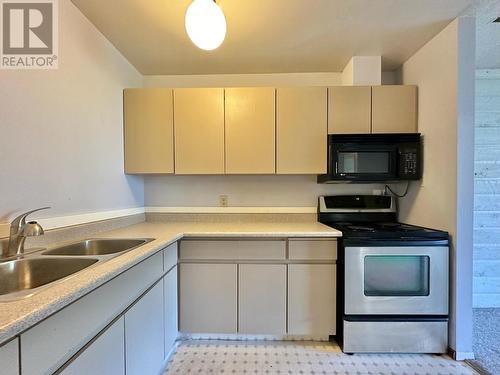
<point x="373" y="158"/>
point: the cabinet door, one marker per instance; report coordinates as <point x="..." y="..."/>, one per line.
<point x="208" y="298"/>
<point x="106" y="355"/>
<point x="170" y="297"/>
<point x="301" y="130"/>
<point x="250" y="130"/>
<point x="394" y="109"/>
<point x="9" y="358"/>
<point x="312" y="299"/>
<point x="349" y="109"/>
<point x="262" y="298"/>
<point x="144" y="334"/>
<point x="148" y="131"/>
<point x="199" y="131"/>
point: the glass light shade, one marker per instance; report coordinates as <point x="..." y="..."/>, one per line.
<point x="205" y="24"/>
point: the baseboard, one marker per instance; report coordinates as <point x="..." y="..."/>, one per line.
<point x="460" y="356"/>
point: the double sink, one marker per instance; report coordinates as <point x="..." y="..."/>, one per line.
<point x="22" y="277"/>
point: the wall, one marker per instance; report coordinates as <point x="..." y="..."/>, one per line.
<point x="487" y="190"/>
<point x="242" y="191"/>
<point x="235" y="80"/>
<point x="61" y="130"/>
<point x="443" y="69"/>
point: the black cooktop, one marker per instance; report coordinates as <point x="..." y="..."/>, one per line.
<point x="386" y="230"/>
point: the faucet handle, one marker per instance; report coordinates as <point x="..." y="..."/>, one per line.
<point x="19" y="221"/>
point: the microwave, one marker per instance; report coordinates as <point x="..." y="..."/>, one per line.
<point x="373" y="158"/>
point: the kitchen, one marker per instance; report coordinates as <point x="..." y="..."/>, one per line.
<point x="199" y="198"/>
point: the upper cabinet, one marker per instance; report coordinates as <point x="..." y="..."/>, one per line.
<point x="376" y="109"/>
<point x="394" y="109"/>
<point x="301" y="128"/>
<point x="199" y="131"/>
<point x="250" y="130"/>
<point x="148" y="131"/>
<point x="254" y="130"/>
<point x="349" y="109"/>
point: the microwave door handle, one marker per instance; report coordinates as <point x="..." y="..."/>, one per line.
<point x="336" y="167"/>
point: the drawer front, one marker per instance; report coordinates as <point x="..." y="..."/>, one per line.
<point x="232" y="250"/>
<point x="71" y="328"/>
<point x="396" y="337"/>
<point x="169" y="256"/>
<point x="312" y="249"/>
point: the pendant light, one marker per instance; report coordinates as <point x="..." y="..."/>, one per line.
<point x="205" y="24"/>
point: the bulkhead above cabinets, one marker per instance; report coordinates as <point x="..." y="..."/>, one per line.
<point x="254" y="130"/>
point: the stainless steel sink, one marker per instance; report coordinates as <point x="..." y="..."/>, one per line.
<point x="97" y="247"/>
<point x="26" y="274"/>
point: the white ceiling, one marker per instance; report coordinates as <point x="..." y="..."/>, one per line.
<point x="266" y="36"/>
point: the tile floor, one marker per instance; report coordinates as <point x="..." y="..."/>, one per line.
<point x="273" y="357"/>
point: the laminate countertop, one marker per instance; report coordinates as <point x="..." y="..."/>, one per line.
<point x="16" y="316"/>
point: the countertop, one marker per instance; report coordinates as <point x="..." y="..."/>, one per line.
<point x="18" y="315"/>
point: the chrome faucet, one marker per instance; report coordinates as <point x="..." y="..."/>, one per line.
<point x="19" y="230"/>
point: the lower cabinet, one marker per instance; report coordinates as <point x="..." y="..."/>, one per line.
<point x="312" y="299"/>
<point x="9" y="358"/>
<point x="144" y="334"/>
<point x="105" y="355"/>
<point x="170" y="296"/>
<point x="262" y="298"/>
<point x="208" y="298"/>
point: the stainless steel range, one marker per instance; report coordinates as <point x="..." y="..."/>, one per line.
<point x="393" y="278"/>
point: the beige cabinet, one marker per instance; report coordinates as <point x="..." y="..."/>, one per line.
<point x="262" y="298"/>
<point x="208" y="298"/>
<point x="394" y="109"/>
<point x="349" y="109"/>
<point x="301" y="130"/>
<point x="148" y="131"/>
<point x="250" y="130"/>
<point x="312" y="299"/>
<point x="199" y="131"/>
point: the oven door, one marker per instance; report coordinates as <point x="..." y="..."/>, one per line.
<point x="363" y="162"/>
<point x="396" y="280"/>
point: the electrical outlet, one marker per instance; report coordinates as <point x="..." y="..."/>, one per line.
<point x="223" y="200"/>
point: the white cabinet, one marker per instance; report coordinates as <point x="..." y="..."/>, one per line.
<point x="70" y="329"/>
<point x="311" y="299"/>
<point x="262" y="298"/>
<point x="208" y="298"/>
<point x="144" y="334"/>
<point x="9" y="358"/>
<point x="105" y="355"/>
<point x="170" y="297"/>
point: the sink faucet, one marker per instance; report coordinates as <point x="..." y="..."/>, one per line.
<point x="19" y="230"/>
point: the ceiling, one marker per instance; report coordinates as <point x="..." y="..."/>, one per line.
<point x="268" y="36"/>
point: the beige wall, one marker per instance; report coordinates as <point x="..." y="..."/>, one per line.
<point x="61" y="130"/>
<point x="235" y="80"/>
<point x="444" y="71"/>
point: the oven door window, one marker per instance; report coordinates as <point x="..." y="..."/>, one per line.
<point x="396" y="275"/>
<point x="364" y="162"/>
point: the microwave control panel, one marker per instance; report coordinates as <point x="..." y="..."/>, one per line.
<point x="409" y="162"/>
